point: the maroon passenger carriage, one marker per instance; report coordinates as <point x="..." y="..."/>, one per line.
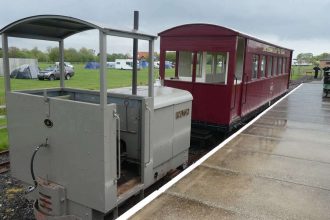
<point x="230" y="75"/>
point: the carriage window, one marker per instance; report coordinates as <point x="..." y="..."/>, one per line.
<point x="274" y="66"/>
<point x="279" y="69"/>
<point x="255" y="59"/>
<point x="201" y="64"/>
<point x="185" y="65"/>
<point x="269" y="66"/>
<point x="262" y="66"/>
<point x="211" y="67"/>
<point x="284" y="66"/>
<point x="170" y="59"/>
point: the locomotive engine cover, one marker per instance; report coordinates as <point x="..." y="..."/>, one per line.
<point x="170" y="127"/>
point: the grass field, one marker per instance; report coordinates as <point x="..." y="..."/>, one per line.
<point x="83" y="78"/>
<point x="300" y="71"/>
<point x="3" y="122"/>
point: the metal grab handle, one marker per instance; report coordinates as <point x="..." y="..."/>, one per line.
<point x="118" y="144"/>
<point x="147" y="107"/>
<point x="235" y="92"/>
<point x="246" y="76"/>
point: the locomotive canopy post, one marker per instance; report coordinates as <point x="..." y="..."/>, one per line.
<point x="103" y="63"/>
<point x="151" y="69"/>
<point x="61" y="63"/>
<point x="135" y="53"/>
<point x="6" y="72"/>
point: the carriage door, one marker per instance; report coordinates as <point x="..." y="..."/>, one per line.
<point x="238" y="78"/>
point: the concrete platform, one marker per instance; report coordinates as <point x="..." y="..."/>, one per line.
<point x="277" y="168"/>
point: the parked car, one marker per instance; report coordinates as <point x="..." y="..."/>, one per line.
<point x="53" y="72"/>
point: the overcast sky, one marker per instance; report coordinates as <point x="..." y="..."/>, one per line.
<point x="302" y="25"/>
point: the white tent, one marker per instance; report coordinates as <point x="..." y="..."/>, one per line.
<point x="25" y="71"/>
<point x="16" y="62"/>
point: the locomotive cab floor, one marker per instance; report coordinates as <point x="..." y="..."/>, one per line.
<point x="124" y="187"/>
<point x="278" y="167"/>
<point x="129" y="178"/>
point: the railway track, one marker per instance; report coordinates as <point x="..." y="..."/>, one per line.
<point x="4" y="163"/>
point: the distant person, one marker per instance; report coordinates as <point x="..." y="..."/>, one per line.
<point x="316" y="71"/>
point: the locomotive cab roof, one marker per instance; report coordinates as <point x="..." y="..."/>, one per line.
<point x="57" y="27"/>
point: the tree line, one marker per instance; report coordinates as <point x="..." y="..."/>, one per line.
<point x="309" y="58"/>
<point x="52" y="54"/>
